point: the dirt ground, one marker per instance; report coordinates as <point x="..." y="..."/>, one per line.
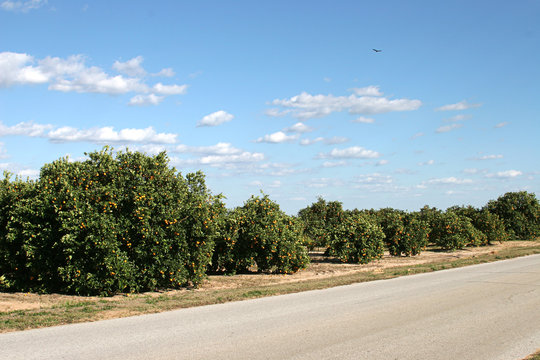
<point x="319" y="268"/>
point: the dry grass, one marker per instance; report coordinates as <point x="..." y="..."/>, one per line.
<point x="21" y="311"/>
<point x="535" y="356"/>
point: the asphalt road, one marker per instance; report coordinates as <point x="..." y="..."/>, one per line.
<point x="489" y="311"/>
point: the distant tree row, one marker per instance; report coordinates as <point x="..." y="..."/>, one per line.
<point x="515" y="215"/>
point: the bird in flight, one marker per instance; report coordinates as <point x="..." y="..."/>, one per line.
<point x="376" y="50"/>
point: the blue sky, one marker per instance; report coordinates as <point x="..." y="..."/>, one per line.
<point x="287" y="97"/>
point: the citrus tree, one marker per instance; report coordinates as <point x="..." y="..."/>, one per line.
<point x="123" y="222"/>
<point x="452" y="231"/>
<point x="520" y="212"/>
<point x="357" y="239"/>
<point x="259" y="236"/>
<point x="319" y="219"/>
<point x="490" y="224"/>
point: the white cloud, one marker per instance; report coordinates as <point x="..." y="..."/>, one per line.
<point x="364" y="120"/>
<point x="377" y="182"/>
<point x="244" y="157"/>
<point x="367" y="91"/>
<point x="489" y="157"/>
<point x="375" y="178"/>
<point x="98" y="135"/>
<point x="169" y="89"/>
<point x="331" y="164"/>
<point x="95" y="80"/>
<point x="55" y="67"/>
<point x="255" y="183"/>
<point x="381" y="162"/>
<point x="323" y="183"/>
<point x="472" y="171"/>
<point x="307" y="106"/>
<point x="215" y="119"/>
<point x="328" y="141"/>
<point x="336" y="140"/>
<point x="447" y="128"/>
<point x="306" y="142"/>
<point x="30" y="129"/>
<point x="298" y="128"/>
<point x="404" y="171"/>
<point x="277" y="138"/>
<point x="219" y="155"/>
<point x="31" y="173"/>
<point x="276" y="112"/>
<point x="143" y="100"/>
<point x="279" y="169"/>
<point x="73" y="75"/>
<point x="22" y="6"/>
<point x="19" y="171"/>
<point x="459" y="117"/>
<point x="449" y="181"/>
<point x="500" y="125"/>
<point x="221" y="148"/>
<point x="429" y="162"/>
<point x="508" y="174"/>
<point x="107" y="134"/>
<point x="275" y="184"/>
<point x="14" y="70"/>
<point x="462" y="105"/>
<point x="131" y="67"/>
<point x="417" y="135"/>
<point x="353" y="152"/>
<point x="167" y="72"/>
<point x="223" y="160"/>
<point x="153" y="149"/>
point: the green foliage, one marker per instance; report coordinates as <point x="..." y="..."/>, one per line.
<point x="405" y="233"/>
<point x="520" y="212"/>
<point x="488" y="223"/>
<point x="468" y="211"/>
<point x="491" y="225"/>
<point x="452" y="232"/>
<point x="357" y="239"/>
<point x="391" y="222"/>
<point x="227" y="253"/>
<point x="259" y="234"/>
<point x="412" y="238"/>
<point x="123" y="223"/>
<point x="430" y="215"/>
<point x="15" y="199"/>
<point x="319" y="219"/>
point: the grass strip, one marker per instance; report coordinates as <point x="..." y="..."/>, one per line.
<point x="93" y="310"/>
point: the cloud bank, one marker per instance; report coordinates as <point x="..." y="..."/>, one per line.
<point x="96" y="135"/>
<point x="365" y="101"/>
<point x="71" y="74"/>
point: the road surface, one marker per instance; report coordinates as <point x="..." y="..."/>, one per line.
<point x="489" y="311"/>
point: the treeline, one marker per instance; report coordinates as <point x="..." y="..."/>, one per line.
<point x="127" y="222"/>
<point x="362" y="235"/>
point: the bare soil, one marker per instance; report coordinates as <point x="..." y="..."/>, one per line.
<point x="320" y="267"/>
